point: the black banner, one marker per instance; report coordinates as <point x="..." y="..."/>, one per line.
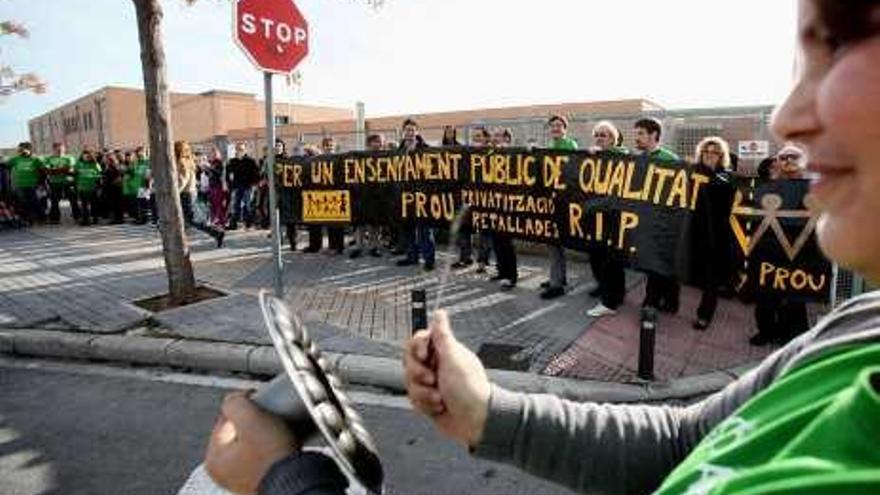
<point x="642" y="210"/>
<point x="774" y="232"/>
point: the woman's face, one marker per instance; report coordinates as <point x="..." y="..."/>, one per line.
<point x="711" y="155"/>
<point x="603" y="138"/>
<point x="834" y="113"/>
<point x="557" y="129"/>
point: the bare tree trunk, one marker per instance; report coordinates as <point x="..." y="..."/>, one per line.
<point x="181" y="282"/>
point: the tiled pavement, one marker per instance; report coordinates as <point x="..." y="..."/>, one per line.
<point x="610" y="348"/>
<point x="86" y="278"/>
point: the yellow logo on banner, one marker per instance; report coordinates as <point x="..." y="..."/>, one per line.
<point x="771" y="212"/>
<point x="326" y="206"/>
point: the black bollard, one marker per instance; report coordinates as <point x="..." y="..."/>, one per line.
<point x="419" y="310"/>
<point x="647" y="332"/>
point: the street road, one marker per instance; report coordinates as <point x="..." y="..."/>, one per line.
<point x="77" y="429"/>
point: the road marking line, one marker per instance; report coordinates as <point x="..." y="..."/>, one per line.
<point x="529" y="316"/>
<point x="173" y="377"/>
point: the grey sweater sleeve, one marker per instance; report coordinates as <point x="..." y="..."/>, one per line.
<point x="604" y="448"/>
<point x="304" y="473"/>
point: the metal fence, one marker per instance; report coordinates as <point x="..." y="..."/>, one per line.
<point x="682" y="130"/>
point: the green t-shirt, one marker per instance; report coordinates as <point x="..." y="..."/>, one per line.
<point x="55" y="162"/>
<point x="565" y="143"/>
<point x="87" y="176"/>
<point x="816" y="430"/>
<point x="135" y="178"/>
<point x="25" y="171"/>
<point x="662" y="154"/>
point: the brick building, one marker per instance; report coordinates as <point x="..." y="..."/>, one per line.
<point x="115" y="117"/>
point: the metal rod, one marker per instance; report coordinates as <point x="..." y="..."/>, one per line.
<point x="418" y="301"/>
<point x="273" y="197"/>
<point x="454" y="230"/>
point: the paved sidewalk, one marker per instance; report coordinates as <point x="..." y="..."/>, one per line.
<point x="85" y="279"/>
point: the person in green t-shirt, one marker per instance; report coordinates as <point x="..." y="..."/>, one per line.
<point x="87" y="177"/>
<point x="59" y="169"/>
<point x="134" y="182"/>
<point x="27" y="172"/>
<point x="661" y="291"/>
<point x="146" y="196"/>
<point x="559" y="140"/>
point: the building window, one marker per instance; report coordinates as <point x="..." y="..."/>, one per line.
<point x="282" y="119"/>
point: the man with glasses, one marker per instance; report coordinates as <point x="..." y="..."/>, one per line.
<point x="779" y="319"/>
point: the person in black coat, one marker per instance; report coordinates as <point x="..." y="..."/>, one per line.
<point x="712" y="255"/>
<point x="242" y="175"/>
<point x="780" y="319"/>
<point x="416" y="240"/>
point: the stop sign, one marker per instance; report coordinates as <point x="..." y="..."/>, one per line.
<point x="273" y="33"/>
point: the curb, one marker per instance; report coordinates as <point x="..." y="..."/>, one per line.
<point x="356" y="369"/>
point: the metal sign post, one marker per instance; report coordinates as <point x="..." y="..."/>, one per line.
<point x="273" y="195"/>
<point x="272" y="50"/>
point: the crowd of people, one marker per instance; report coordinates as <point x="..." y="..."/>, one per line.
<point x="715" y="263"/>
<point x="111" y="185"/>
<point x="218" y="195"/>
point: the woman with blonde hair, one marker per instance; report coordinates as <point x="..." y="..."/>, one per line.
<point x="607" y="266"/>
<point x="185" y="165"/>
<point x="712" y="256"/>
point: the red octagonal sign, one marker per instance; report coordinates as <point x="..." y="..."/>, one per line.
<point x="273" y="33"/>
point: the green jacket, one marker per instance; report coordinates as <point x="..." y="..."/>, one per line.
<point x="88" y="174"/>
<point x="135" y="178"/>
<point x="60" y="163"/>
<point x="663" y="155"/>
<point x="565" y="143"/>
<point x="25" y="171"/>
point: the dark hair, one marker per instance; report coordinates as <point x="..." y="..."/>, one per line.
<point x="374" y="137"/>
<point x="765" y="168"/>
<point x="25" y="145"/>
<point x="650" y="125"/>
<point x="560" y="118"/>
<point x="482" y="130"/>
<point x="450" y="142"/>
<point x="848" y="22"/>
<point x="507" y="133"/>
<point x="409" y="122"/>
<point x="327" y="140"/>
